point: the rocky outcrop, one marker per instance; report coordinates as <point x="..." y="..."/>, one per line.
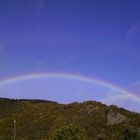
<point x="89" y="109"/>
<point x="114" y="117"/>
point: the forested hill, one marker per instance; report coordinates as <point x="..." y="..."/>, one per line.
<point x="46" y="120"/>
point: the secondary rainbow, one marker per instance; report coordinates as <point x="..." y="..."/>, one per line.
<point x="69" y="76"/>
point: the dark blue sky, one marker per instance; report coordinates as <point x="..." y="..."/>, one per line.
<point x="91" y="37"/>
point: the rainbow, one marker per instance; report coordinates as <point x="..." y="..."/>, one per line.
<point x="69" y="76"/>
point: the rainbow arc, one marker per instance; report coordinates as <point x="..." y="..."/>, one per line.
<point x="69" y="76"/>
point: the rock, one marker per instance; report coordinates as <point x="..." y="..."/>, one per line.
<point x="90" y="108"/>
<point x="114" y="117"/>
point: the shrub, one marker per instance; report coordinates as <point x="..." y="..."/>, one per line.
<point x="101" y="137"/>
<point x="69" y="133"/>
<point x="130" y="133"/>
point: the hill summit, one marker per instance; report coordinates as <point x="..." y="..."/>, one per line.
<point x="46" y="120"/>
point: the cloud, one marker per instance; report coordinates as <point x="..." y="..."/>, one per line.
<point x="38" y="4"/>
<point x="133" y="29"/>
<point x="135" y="84"/>
<point x="41" y="63"/>
<point x="122" y="100"/>
<point x="135" y="87"/>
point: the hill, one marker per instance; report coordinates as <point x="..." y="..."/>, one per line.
<point x="46" y="120"/>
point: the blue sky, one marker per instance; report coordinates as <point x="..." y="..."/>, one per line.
<point x="89" y="37"/>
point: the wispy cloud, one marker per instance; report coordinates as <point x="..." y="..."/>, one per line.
<point x="41" y="4"/>
<point x="125" y="101"/>
<point x="133" y="29"/>
<point x="122" y="100"/>
<point x="38" y="4"/>
<point x="135" y="87"/>
<point x="41" y="63"/>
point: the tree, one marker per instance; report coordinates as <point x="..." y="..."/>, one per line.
<point x="70" y="132"/>
<point x="130" y="133"/>
<point x="101" y="137"/>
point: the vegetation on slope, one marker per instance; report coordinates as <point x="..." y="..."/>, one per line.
<point x="45" y="120"/>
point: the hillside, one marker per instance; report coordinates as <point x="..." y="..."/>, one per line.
<point x="45" y="120"/>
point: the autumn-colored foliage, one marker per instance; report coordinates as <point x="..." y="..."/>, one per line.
<point x="44" y="120"/>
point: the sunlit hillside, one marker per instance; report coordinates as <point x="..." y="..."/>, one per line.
<point x="46" y="120"/>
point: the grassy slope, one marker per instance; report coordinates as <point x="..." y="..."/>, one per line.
<point x="36" y="120"/>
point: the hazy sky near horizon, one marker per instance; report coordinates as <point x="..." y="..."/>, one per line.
<point x="89" y="37"/>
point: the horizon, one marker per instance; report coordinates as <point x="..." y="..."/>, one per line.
<point x="95" y="39"/>
<point x="66" y="88"/>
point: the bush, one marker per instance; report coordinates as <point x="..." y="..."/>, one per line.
<point x="130" y="133"/>
<point x="101" y="137"/>
<point x="69" y="133"/>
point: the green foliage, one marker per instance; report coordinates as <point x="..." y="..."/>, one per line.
<point x="38" y="120"/>
<point x="70" y="132"/>
<point x="101" y="137"/>
<point x="130" y="133"/>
